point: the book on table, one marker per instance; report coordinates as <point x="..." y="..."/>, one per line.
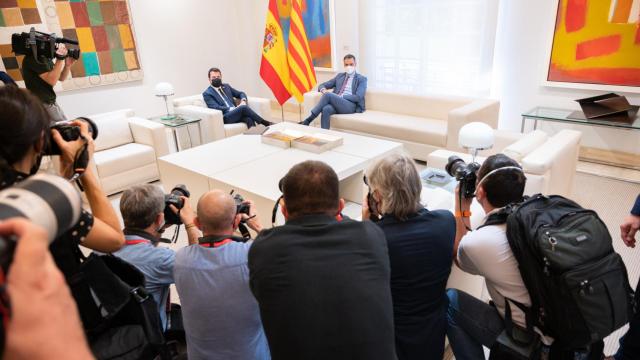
<point x="281" y="138"/>
<point x="317" y="143"/>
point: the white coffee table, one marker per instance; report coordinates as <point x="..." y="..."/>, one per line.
<point x="244" y="164"/>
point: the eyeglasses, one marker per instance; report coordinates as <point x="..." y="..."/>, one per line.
<point x="366" y="182"/>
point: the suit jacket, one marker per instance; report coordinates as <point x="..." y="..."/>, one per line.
<point x="636" y="208"/>
<point x="358" y="88"/>
<point x="323" y="289"/>
<point x="214" y="101"/>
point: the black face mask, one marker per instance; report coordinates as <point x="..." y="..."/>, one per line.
<point x="216" y="82"/>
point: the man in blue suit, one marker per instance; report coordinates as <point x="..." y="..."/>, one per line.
<point x="347" y="96"/>
<point x="221" y="96"/>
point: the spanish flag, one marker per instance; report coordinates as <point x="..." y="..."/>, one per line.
<point x="287" y="68"/>
<point x="274" y="68"/>
<point x="301" y="70"/>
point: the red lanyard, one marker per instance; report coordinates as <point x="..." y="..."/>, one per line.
<point x="216" y="244"/>
<point x="136" y="242"/>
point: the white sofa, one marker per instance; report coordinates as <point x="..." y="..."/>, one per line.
<point x="422" y="123"/>
<point x="549" y="163"/>
<point x="211" y="123"/>
<point x="126" y="150"/>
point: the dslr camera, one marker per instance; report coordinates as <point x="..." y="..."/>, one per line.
<point x="466" y="174"/>
<point x="41" y="44"/>
<point x="174" y="198"/>
<point x="241" y="206"/>
<point x="69" y="132"/>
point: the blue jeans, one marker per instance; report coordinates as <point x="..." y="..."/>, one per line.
<point x="329" y="104"/>
<point x="473" y="323"/>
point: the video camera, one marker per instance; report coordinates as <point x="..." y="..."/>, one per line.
<point x="41" y="44"/>
<point x="174" y="198"/>
<point x="69" y="132"/>
<point x="47" y="200"/>
<point x="466" y="174"/>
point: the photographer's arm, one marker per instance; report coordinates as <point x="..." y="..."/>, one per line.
<point x="252" y="220"/>
<point x="188" y="218"/>
<point x="68" y="63"/>
<point x="461" y="222"/>
<point x="52" y="77"/>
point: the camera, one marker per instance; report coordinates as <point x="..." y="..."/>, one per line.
<point x="47" y="200"/>
<point x="69" y="132"/>
<point x="174" y="198"/>
<point x="241" y="206"/>
<point x="41" y="44"/>
<point x="465" y="173"/>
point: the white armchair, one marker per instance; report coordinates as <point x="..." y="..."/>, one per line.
<point x="126" y="150"/>
<point x="422" y="123"/>
<point x="211" y="123"/>
<point x="548" y="162"/>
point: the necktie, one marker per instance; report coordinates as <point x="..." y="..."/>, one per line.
<point x="224" y="97"/>
<point x="344" y="85"/>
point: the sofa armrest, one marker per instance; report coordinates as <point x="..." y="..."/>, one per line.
<point x="260" y="106"/>
<point x="150" y="133"/>
<point x="484" y="110"/>
<point x="211" y="121"/>
<point x="311" y="99"/>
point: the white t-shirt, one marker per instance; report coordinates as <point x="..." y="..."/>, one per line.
<point x="486" y="252"/>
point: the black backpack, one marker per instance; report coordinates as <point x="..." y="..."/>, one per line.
<point x="578" y="284"/>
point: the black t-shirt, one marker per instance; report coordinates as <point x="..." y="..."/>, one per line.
<point x="31" y="71"/>
<point x="421" y="255"/>
<point x="323" y="290"/>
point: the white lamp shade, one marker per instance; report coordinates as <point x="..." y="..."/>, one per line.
<point x="164" y="89"/>
<point x="476" y="136"/>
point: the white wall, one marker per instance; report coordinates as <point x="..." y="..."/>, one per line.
<point x="523" y="38"/>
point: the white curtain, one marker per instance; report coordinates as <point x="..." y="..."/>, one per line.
<point x="428" y="46"/>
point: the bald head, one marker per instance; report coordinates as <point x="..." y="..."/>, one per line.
<point x="216" y="213"/>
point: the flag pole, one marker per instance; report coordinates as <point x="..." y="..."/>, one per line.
<point x="282" y="112"/>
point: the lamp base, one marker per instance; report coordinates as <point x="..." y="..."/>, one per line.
<point x="168" y="117"/>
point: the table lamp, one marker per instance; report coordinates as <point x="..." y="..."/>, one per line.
<point x="476" y="136"/>
<point x="164" y="89"/>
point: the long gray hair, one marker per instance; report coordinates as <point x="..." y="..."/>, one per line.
<point x="396" y="180"/>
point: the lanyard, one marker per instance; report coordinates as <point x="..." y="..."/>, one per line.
<point x="216" y="244"/>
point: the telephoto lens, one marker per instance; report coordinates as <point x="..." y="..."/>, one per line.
<point x="47" y="200"/>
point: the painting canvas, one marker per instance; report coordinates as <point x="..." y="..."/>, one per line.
<point x="103" y="28"/>
<point x="596" y="42"/>
<point x="317" y="16"/>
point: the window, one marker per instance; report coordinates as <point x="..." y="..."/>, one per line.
<point x="429" y="46"/>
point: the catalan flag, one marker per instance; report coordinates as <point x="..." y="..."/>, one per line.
<point x="274" y="68"/>
<point x="301" y="70"/>
<point x="286" y="67"/>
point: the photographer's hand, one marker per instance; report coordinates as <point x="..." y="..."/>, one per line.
<point x="71" y="150"/>
<point x="628" y="230"/>
<point x="62" y="50"/>
<point x="43" y="311"/>
<point x="188" y="217"/>
<point x="252" y="220"/>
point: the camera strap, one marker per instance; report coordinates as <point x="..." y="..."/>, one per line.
<point x="214" y="241"/>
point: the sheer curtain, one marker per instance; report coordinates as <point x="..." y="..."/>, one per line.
<point x="428" y="46"/>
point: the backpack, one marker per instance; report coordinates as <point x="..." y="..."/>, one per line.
<point x="120" y="318"/>
<point x="578" y="284"/>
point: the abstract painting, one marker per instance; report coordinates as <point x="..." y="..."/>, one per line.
<point x="108" y="52"/>
<point x="317" y="18"/>
<point x="596" y="42"/>
<point x="18" y="13"/>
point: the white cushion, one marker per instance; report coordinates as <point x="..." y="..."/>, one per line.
<point x="426" y="106"/>
<point x="402" y="127"/>
<point x="521" y="148"/>
<point x="196" y="100"/>
<point x="113" y="130"/>
<point x="122" y="158"/>
<point x="234" y="129"/>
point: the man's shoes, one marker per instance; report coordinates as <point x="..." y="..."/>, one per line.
<point x="303" y="123"/>
<point x="266" y="123"/>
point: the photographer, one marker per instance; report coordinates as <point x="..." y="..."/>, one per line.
<point x="420" y="245"/>
<point x="142" y="209"/>
<point x="24" y="137"/>
<point x="42" y="74"/>
<point x="42" y="309"/>
<point x="220" y="315"/>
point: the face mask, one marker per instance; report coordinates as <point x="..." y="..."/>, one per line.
<point x="350" y="69"/>
<point x="216" y="82"/>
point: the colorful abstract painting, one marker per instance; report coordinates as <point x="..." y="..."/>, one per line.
<point x="108" y="53"/>
<point x="18" y="13"/>
<point x="596" y="42"/>
<point x="317" y="19"/>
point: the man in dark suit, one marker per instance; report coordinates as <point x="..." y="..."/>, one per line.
<point x="221" y="97"/>
<point x="321" y="281"/>
<point x="347" y="96"/>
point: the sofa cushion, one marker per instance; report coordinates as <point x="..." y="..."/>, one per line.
<point x="122" y="158"/>
<point x="113" y="130"/>
<point x="196" y="100"/>
<point x="234" y="129"/>
<point x="521" y="148"/>
<point x="401" y="127"/>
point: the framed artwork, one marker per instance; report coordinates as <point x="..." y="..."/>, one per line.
<point x="108" y="52"/>
<point x="596" y="45"/>
<point x="318" y="21"/>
